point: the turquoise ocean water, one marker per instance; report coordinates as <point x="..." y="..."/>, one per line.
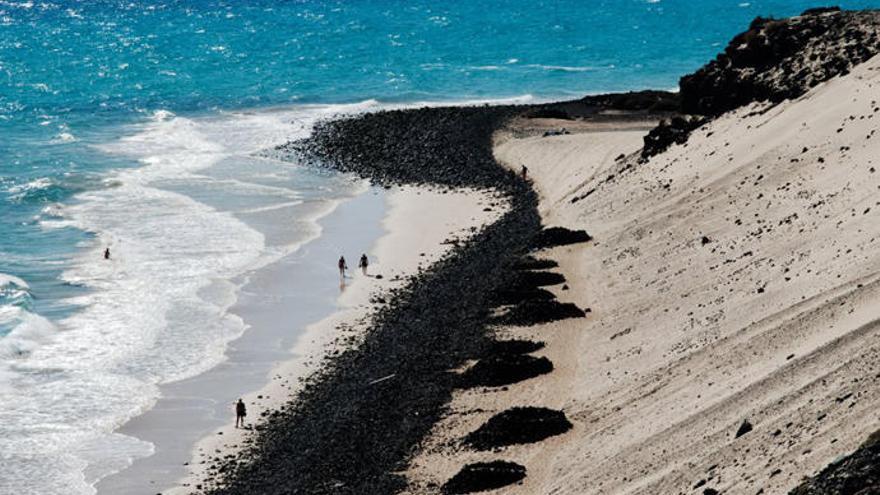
<point x="134" y="125"/>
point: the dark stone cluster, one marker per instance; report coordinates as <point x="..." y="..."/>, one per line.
<point x="482" y="476"/>
<point x="633" y="103"/>
<point x="774" y="60"/>
<point x="519" y="425"/>
<point x="559" y="236"/>
<point x="668" y="132"/>
<point x="856" y="474"/>
<point x="778" y="59"/>
<point x="504" y="369"/>
<point x="447" y="146"/>
<point x="534" y="312"/>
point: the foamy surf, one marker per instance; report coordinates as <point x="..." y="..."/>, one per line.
<point x="184" y="228"/>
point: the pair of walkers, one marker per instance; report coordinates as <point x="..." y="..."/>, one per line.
<point x="362" y="264"/>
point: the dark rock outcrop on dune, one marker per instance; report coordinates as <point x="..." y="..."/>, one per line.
<point x="634" y="103"/>
<point x="668" y="132"/>
<point x="778" y="59"/>
<point x="531" y="278"/>
<point x="482" y="476"/>
<point x="505" y="369"/>
<point x="518" y="425"/>
<point x="354" y="425"/>
<point x="534" y="312"/>
<point x="515" y="295"/>
<point x="649" y="101"/>
<point x="532" y="263"/>
<point x="559" y="236"/>
<point x="774" y="60"/>
<point x="856" y="474"/>
<point x="515" y="346"/>
<point x="744" y="427"/>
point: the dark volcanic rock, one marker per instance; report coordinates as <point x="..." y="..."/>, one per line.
<point x="856" y="474"/>
<point x="774" y="60"/>
<point x="778" y="59"/>
<point x="483" y="476"/>
<point x="533" y="312"/>
<point x="675" y="131"/>
<point x="432" y="145"/>
<point x="505" y="369"/>
<point x="633" y="104"/>
<point x="518" y="295"/>
<point x="537" y="279"/>
<point x="526" y="286"/>
<point x="549" y="112"/>
<point x="513" y="347"/>
<point x="518" y="425"/>
<point x="532" y="263"/>
<point x="652" y="101"/>
<point x="560" y="236"/>
<point x="744" y="428"/>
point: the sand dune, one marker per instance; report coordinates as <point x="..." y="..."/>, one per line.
<point x="734" y="278"/>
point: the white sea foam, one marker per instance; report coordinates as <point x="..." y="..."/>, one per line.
<point x="30" y="331"/>
<point x="158" y="309"/>
<point x="562" y="68"/>
<point x="18" y="190"/>
<point x="64" y="137"/>
<point x="6" y="279"/>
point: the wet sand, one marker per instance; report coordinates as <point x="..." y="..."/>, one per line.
<point x="276" y="303"/>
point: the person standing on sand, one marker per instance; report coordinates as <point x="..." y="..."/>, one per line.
<point x="364" y="263"/>
<point x="342" y="266"/>
<point x="240" y="413"/>
<point x="525" y="172"/>
<point x="107" y="254"/>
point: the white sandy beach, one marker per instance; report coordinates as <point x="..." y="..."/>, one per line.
<point x="772" y="319"/>
<point x="417" y="225"/>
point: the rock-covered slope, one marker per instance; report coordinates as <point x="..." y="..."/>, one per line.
<point x="778" y="59"/>
<point x="858" y="473"/>
<point x="774" y="60"/>
<point x="735" y="278"/>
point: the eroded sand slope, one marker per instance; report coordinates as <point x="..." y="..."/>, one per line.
<point x="773" y="318"/>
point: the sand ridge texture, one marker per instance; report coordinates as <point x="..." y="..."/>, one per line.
<point x="733" y="278"/>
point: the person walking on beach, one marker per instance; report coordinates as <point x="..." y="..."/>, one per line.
<point x="342" y="266"/>
<point x="107" y="254"/>
<point x="363" y="263"/>
<point x="240" y="413"/>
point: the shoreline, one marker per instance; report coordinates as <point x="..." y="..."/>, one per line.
<point x="178" y="401"/>
<point x="383" y="394"/>
<point x="189" y="409"/>
<point x="396" y="255"/>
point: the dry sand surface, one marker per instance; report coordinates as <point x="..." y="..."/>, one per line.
<point x="772" y="318"/>
<point x="418" y="225"/>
